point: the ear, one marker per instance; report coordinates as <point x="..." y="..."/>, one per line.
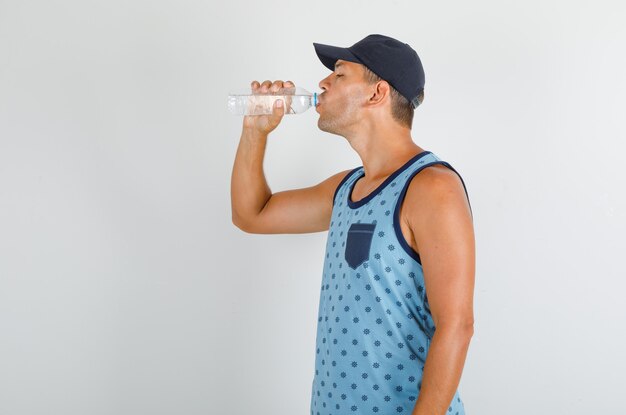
<point x="380" y="90"/>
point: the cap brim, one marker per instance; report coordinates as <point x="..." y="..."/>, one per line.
<point x="330" y="54"/>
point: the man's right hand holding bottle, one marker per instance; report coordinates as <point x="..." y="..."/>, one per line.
<point x="264" y="124"/>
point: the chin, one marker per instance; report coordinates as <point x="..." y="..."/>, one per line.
<point x="324" y="127"/>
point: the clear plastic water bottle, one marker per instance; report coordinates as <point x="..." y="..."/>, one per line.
<point x="296" y="100"/>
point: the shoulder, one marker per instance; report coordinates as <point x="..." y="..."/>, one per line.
<point x="433" y="192"/>
<point x="338" y="179"/>
<point x="434" y="180"/>
<point x="330" y="186"/>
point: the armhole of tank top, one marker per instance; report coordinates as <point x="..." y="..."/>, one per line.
<point x="396" y="214"/>
<point x="341" y="183"/>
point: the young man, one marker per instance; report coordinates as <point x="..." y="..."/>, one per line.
<point x="400" y="254"/>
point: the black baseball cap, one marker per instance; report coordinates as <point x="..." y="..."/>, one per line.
<point x="392" y="60"/>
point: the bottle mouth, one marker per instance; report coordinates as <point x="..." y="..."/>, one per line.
<point x="316" y="99"/>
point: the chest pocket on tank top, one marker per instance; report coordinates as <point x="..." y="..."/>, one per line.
<point x="358" y="243"/>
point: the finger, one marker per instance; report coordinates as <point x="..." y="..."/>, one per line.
<point x="276" y="86"/>
<point x="265" y="85"/>
<point x="255" y="84"/>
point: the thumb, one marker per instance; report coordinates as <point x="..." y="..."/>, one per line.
<point x="279" y="107"/>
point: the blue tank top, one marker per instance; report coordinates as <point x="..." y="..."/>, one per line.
<point x="374" y="324"/>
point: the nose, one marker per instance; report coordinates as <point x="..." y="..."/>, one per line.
<point x="322" y="84"/>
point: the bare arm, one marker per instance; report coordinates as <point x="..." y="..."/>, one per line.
<point x="249" y="190"/>
<point x="441" y="223"/>
<point x="254" y="208"/>
<point x="303" y="210"/>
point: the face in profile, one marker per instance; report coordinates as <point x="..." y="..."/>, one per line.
<point x="341" y="102"/>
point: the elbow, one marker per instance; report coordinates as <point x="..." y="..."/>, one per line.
<point x="466" y="328"/>
<point x="238" y="222"/>
<point x="459" y="328"/>
<point x="243" y="225"/>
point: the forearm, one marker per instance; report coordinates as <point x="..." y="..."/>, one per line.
<point x="249" y="190"/>
<point x="442" y="370"/>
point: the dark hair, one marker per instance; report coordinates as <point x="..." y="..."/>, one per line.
<point x="401" y="109"/>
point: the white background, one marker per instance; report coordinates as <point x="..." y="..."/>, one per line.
<point x="126" y="289"/>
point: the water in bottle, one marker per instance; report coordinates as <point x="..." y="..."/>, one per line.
<point x="296" y="100"/>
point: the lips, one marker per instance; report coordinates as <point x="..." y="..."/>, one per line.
<point x="319" y="101"/>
